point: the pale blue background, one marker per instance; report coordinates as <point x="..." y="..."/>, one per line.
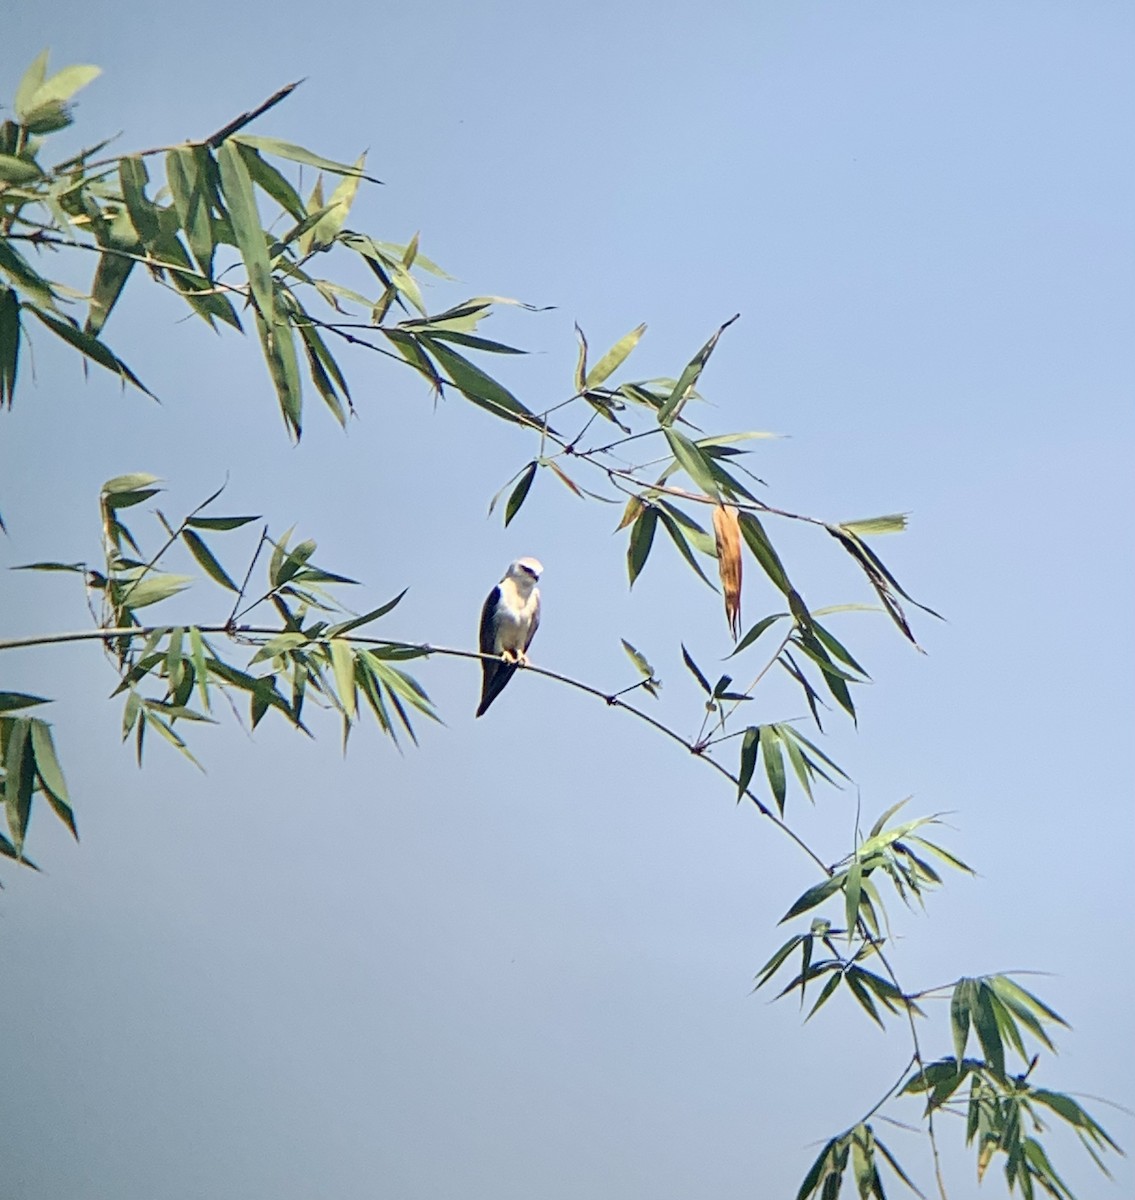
<point x="516" y="963"/>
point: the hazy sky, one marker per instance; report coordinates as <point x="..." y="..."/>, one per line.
<point x="517" y="962"/>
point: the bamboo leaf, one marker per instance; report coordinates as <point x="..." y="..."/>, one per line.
<point x="11" y="701"/>
<point x="750" y="743"/>
<point x="852" y="889"/>
<point x="10" y="333"/>
<point x="519" y="493"/>
<point x="871" y="526"/>
<point x="187" y="172"/>
<point x="89" y="346"/>
<point x="985" y="1022"/>
<point x="30" y="83"/>
<point x="642" y="535"/>
<point x="692" y="461"/>
<point x="774" y="764"/>
<point x="236" y="187"/>
<point x="693" y="668"/>
<point x="478" y="387"/>
<point x="613" y="359"/>
<point x="294" y="153"/>
<point x="961" y="1006"/>
<point x="678" y="538"/>
<point x="755" y="632"/>
<point x="278" y="344"/>
<point x="343" y="664"/>
<point x="641" y="665"/>
<point x="51" y="774"/>
<point x="757" y="540"/>
<point x="816" y="894"/>
<point x="19" y="778"/>
<point x="673" y="404"/>
<point x="207" y="561"/>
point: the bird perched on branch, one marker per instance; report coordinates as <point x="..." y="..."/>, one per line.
<point x="509" y="621"/>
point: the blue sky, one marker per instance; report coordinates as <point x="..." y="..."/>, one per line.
<point x="518" y="961"/>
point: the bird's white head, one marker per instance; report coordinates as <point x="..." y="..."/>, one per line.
<point x="524" y="572"/>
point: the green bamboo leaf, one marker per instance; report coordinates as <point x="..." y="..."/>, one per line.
<point x="58" y="89"/>
<point x="343" y="664"/>
<point x="218" y="522"/>
<point x="1074" y="1114"/>
<point x="294" y="153"/>
<point x="750" y="743"/>
<point x="18" y="170"/>
<point x="961" y="1012"/>
<point x="834" y="646"/>
<point x="278" y="344"/>
<point x="291" y="562"/>
<point x="132" y="178"/>
<point x="10" y="701"/>
<point x="151" y="588"/>
<point x="478" y="387"/>
<point x="128" y="483"/>
<point x="207" y="560"/>
<point x="816" y="894"/>
<point x="870" y="526"/>
<point x="673" y="404"/>
<point x="774" y="764"/>
<point x="30" y="83"/>
<point x="756" y="631"/>
<point x="817" y="1173"/>
<point x="110" y="278"/>
<point x="25" y="277"/>
<point x="642" y="535"/>
<point x="860" y="992"/>
<point x="473" y="342"/>
<point x="877" y="828"/>
<point x="694" y="670"/>
<point x="1012" y="993"/>
<point x="985" y="1022"/>
<point x="519" y="493"/>
<point x="240" y="200"/>
<point x="51" y="774"/>
<point x="111" y="504"/>
<point x="641" y="665"/>
<point x="679" y="539"/>
<point x="10" y="333"/>
<point x="327" y="228"/>
<point x="945" y="856"/>
<point x="895" y="1166"/>
<point x="187" y="171"/>
<point x="581" y="362"/>
<point x="90" y="346"/>
<point x="799" y="765"/>
<point x="151" y="720"/>
<point x="1007" y="1023"/>
<point x="863" y="1161"/>
<point x="779" y="958"/>
<point x="834" y="980"/>
<point x="757" y="540"/>
<point x="852" y="890"/>
<point x="317" y="349"/>
<point x="265" y="176"/>
<point x="19" y="777"/>
<point x="698" y="537"/>
<point x="613" y="359"/>
<point x="693" y="462"/>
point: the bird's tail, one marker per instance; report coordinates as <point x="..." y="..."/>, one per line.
<point x="495" y="678"/>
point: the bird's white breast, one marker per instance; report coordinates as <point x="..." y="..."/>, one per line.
<point x="514" y="616"/>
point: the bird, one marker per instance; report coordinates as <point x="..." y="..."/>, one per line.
<point x="509" y="620"/>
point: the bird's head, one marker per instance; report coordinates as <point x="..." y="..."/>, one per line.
<point x="525" y="572"/>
